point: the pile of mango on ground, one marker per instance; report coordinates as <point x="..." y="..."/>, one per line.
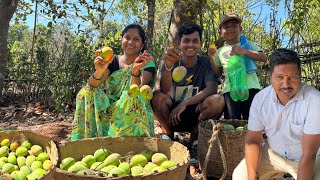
<point x="106" y="164"/>
<point x="23" y="161"/>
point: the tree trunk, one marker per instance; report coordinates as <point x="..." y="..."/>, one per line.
<point x="151" y="11"/>
<point x="7" y="8"/>
<point x="183" y="11"/>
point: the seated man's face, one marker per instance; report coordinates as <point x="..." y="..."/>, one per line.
<point x="285" y="80"/>
<point x="190" y="44"/>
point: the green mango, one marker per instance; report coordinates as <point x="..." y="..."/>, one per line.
<point x="36" y="150"/>
<point x="4" y="151"/>
<point x="228" y="128"/>
<point x="86" y="172"/>
<point x="136" y="170"/>
<point x="20" y="176"/>
<point x="43" y="156"/>
<point x="125" y="166"/>
<point x="35" y="165"/>
<point x="148" y="168"/>
<point x="147" y="153"/>
<point x="26" y="144"/>
<point x="66" y="163"/>
<point x="89" y="160"/>
<point x="21" y="151"/>
<point x="168" y="164"/>
<point x="12" y="159"/>
<point x="30" y="159"/>
<point x="158" y="158"/>
<point x="107" y="169"/>
<point x="100" y="154"/>
<point x="21" y="161"/>
<point x="158" y="169"/>
<point x="7" y="168"/>
<point x="138" y="160"/>
<point x="117" y="171"/>
<point x="76" y="167"/>
<point x="5" y="142"/>
<point x="113" y="159"/>
<point x="26" y="170"/>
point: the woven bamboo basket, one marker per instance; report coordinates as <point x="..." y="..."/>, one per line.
<point x="124" y="146"/>
<point x="219" y="152"/>
<point x="45" y="142"/>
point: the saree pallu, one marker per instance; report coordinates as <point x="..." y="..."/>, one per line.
<point x="110" y="111"/>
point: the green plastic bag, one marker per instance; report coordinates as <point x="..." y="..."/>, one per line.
<point x="238" y="78"/>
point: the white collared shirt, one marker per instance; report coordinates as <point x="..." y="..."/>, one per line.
<point x="284" y="125"/>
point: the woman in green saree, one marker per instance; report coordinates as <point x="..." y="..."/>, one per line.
<point x="103" y="107"/>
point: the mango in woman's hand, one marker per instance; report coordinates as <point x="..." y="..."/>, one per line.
<point x="146" y="92"/>
<point x="133" y="90"/>
<point x="106" y="53"/>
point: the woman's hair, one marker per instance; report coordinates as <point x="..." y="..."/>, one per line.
<point x="189" y="28"/>
<point x="141" y="33"/>
<point x="284" y="56"/>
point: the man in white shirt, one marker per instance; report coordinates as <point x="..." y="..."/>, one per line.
<point x="288" y="112"/>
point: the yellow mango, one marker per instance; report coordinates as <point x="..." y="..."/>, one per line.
<point x="179" y="73"/>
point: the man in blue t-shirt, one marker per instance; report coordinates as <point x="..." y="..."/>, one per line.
<point x="195" y="97"/>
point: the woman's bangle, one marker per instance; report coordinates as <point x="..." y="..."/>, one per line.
<point x="96" y="78"/>
<point x="136" y="75"/>
<point x="168" y="69"/>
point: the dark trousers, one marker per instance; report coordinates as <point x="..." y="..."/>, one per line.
<point x="236" y="109"/>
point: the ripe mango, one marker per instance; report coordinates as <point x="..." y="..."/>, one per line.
<point x="228" y="128"/>
<point x="168" y="164"/>
<point x="147" y="153"/>
<point x="138" y="160"/>
<point x="26" y="144"/>
<point x="179" y="73"/>
<point x="117" y="171"/>
<point x="113" y="159"/>
<point x="14" y="146"/>
<point x="36" y="150"/>
<point x="100" y="155"/>
<point x="213" y="46"/>
<point x="146" y="92"/>
<point x="66" y="163"/>
<point x="158" y="158"/>
<point x="106" y="53"/>
<point x="107" y="169"/>
<point x="136" y="171"/>
<point x="47" y="165"/>
<point x="125" y="166"/>
<point x="21" y="151"/>
<point x="148" y="168"/>
<point x="5" y="142"/>
<point x="133" y="90"/>
<point x="89" y="160"/>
